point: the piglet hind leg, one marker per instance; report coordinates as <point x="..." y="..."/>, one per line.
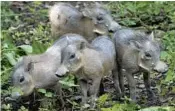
<point x="84" y="89"/>
<point x="116" y="82"/>
<point x="121" y="79"/>
<point x="147" y="82"/>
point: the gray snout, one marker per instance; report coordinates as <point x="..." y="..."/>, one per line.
<point x="114" y="27"/>
<point x="161" y="67"/>
<point x="61" y="72"/>
<point x="15" y="95"/>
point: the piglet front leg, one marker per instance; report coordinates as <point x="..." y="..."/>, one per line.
<point x="84" y="89"/>
<point x="147" y="82"/>
<point x="94" y="88"/>
<point x="132" y="85"/>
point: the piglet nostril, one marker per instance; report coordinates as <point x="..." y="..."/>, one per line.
<point x="59" y="76"/>
<point x="111" y="30"/>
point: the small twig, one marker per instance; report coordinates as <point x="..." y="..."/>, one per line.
<point x="19" y="26"/>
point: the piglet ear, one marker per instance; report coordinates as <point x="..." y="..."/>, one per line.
<point x="151" y="36"/>
<point x="68" y="40"/>
<point x="82" y="45"/>
<point x="29" y="67"/>
<point x="86" y="13"/>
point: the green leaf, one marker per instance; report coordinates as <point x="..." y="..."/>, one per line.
<point x="27" y="48"/>
<point x="69" y="84"/>
<point x="68" y="81"/>
<point x="39" y="47"/>
<point x="164" y="55"/>
<point x="6" y="107"/>
<point x="10" y="58"/>
<point x="169" y="76"/>
<point x="49" y="94"/>
<point x="116" y="107"/>
<point x="17" y="89"/>
<point x="42" y="91"/>
<point x="106" y="109"/>
<point x="102" y="99"/>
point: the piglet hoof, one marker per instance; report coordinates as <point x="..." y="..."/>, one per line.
<point x="133" y="99"/>
<point x="118" y="96"/>
<point x="92" y="102"/>
<point x="119" y="93"/>
<point x="93" y="105"/>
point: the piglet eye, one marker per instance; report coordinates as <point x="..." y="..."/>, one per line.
<point x="99" y="18"/>
<point x="72" y="56"/>
<point x="58" y="17"/>
<point x="21" y="79"/>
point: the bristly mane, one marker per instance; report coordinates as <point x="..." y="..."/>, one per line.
<point x="140" y="37"/>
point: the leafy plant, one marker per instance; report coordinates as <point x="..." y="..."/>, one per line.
<point x="46" y="94"/>
<point x="25" y="30"/>
<point x="135" y="13"/>
<point x="121" y="107"/>
<point x="68" y="81"/>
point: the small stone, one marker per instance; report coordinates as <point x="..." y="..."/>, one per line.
<point x="141" y="86"/>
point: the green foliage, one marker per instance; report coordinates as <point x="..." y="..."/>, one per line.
<point x="17" y="89"/>
<point x="46" y="94"/>
<point x="115" y="106"/>
<point x="169" y="54"/>
<point x="6" y="107"/>
<point x="27" y="31"/>
<point x="7" y="16"/>
<point x="68" y="81"/>
<point x="10" y="57"/>
<point x="22" y="108"/>
<point x="151" y="15"/>
<point x="38" y="47"/>
<point x="169" y="41"/>
<point x="42" y="90"/>
<point x="102" y="99"/>
<point x="121" y="107"/>
<point x="27" y="48"/>
<point x="166" y="85"/>
<point x="21" y="36"/>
